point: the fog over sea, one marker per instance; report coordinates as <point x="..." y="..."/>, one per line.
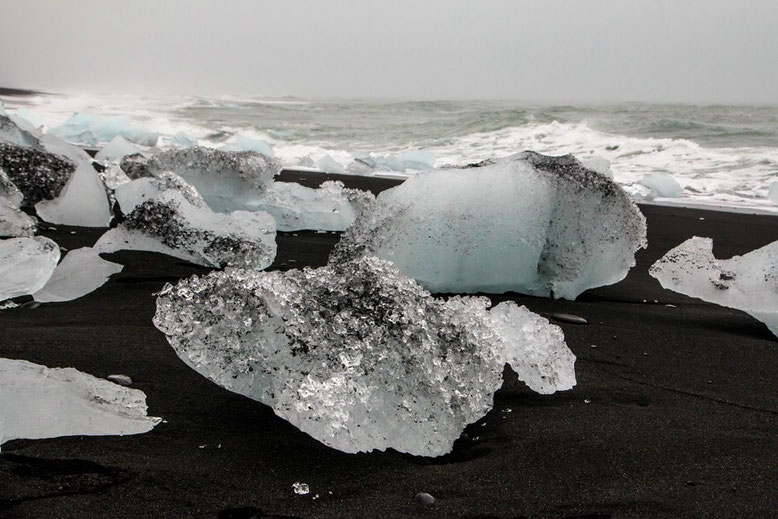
<point x="720" y="155"/>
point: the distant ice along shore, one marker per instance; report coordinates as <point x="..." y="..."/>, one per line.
<point x="716" y="157"/>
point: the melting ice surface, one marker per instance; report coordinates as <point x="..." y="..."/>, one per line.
<point x="748" y="283"/>
<point x="358" y="355"/>
<point x="40" y="402"/>
<point x="81" y="271"/>
<point x="26" y="264"/>
<point x="165" y="214"/>
<point x="83" y="201"/>
<point x="529" y="223"/>
<point x="116" y="149"/>
<point x="13" y="222"/>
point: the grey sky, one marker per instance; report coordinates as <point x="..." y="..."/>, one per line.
<point x="546" y="50"/>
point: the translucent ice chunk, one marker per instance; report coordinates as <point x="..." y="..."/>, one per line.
<point x="331" y="207"/>
<point x="329" y="165"/>
<point x="529" y="223"/>
<point x="10" y="133"/>
<point x="83" y="201"/>
<point x="662" y="185"/>
<point x="599" y="164"/>
<point x="245" y="143"/>
<point x="81" y="271"/>
<point x="39" y="175"/>
<point x="9" y="191"/>
<point x="182" y="140"/>
<point x="40" y="402"/>
<point x="13" y="222"/>
<point x="103" y="128"/>
<point x="171" y="224"/>
<point x="131" y="194"/>
<point x="748" y="283"/>
<point x="26" y="264"/>
<point x="358" y="355"/>
<point x="116" y="149"/>
<point x="226" y="180"/>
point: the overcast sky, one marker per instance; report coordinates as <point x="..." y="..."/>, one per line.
<point x="546" y="50"/>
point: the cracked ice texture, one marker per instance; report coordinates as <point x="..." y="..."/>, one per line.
<point x="358" y="355"/>
<point x="528" y="223"/>
<point x="26" y="264"/>
<point x="40" y="402"/>
<point x="227" y="181"/>
<point x="39" y="175"/>
<point x="748" y="283"/>
<point x="167" y="215"/>
<point x="81" y="271"/>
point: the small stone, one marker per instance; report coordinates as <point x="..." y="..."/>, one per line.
<point x="671" y="306"/>
<point x="569" y="318"/>
<point x="593" y="346"/>
<point x="30" y="305"/>
<point x="425" y="498"/>
<point x="587" y="401"/>
<point x="301" y="488"/>
<point x="122" y="380"/>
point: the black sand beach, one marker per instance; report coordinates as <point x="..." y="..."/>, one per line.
<point x="675" y="413"/>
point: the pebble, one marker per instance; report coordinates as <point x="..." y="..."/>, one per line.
<point x="301" y="488"/>
<point x="425" y="498"/>
<point x="122" y="380"/>
<point x="569" y="318"/>
<point x="30" y="305"/>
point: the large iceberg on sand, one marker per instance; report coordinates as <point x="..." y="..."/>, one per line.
<point x="748" y="283"/>
<point x="26" y="264"/>
<point x="528" y="223"/>
<point x="40" y="402"/>
<point x="83" y="201"/>
<point x="226" y="180"/>
<point x="358" y="355"/>
<point x="80" y="272"/>
<point x="167" y="215"/>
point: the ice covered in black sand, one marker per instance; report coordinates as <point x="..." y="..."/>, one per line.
<point x="165" y="214"/>
<point x="357" y="354"/>
<point x="748" y="283"/>
<point x="528" y="223"/>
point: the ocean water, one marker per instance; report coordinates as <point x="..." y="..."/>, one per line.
<point x="720" y="155"/>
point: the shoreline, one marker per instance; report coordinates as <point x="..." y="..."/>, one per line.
<point x="674" y="414"/>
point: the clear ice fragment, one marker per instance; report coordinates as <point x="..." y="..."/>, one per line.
<point x="26" y="264"/>
<point x="40" y="402"/>
<point x="748" y="282"/>
<point x="81" y="271"/>
<point x="83" y="201"/>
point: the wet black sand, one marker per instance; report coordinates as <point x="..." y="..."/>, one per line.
<point x="675" y="413"/>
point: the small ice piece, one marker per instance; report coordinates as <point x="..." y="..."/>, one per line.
<point x="8" y="305"/>
<point x="114" y="176"/>
<point x="26" y="264"/>
<point x="244" y="143"/>
<point x="425" y="498"/>
<point x="10" y="133"/>
<point x="329" y="165"/>
<point x="131" y="194"/>
<point x="39" y="175"/>
<point x="116" y="149"/>
<point x="662" y="185"/>
<point x="81" y="271"/>
<point x="417" y="160"/>
<point x="40" y="402"/>
<point x="171" y="224"/>
<point x="83" y="201"/>
<point x="529" y="223"/>
<point x="772" y="193"/>
<point x="13" y="222"/>
<point x="599" y="164"/>
<point x="182" y="140"/>
<point x="226" y="180"/>
<point x="331" y="207"/>
<point x="122" y="380"/>
<point x="358" y="355"/>
<point x="748" y="283"/>
<point x="301" y="489"/>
